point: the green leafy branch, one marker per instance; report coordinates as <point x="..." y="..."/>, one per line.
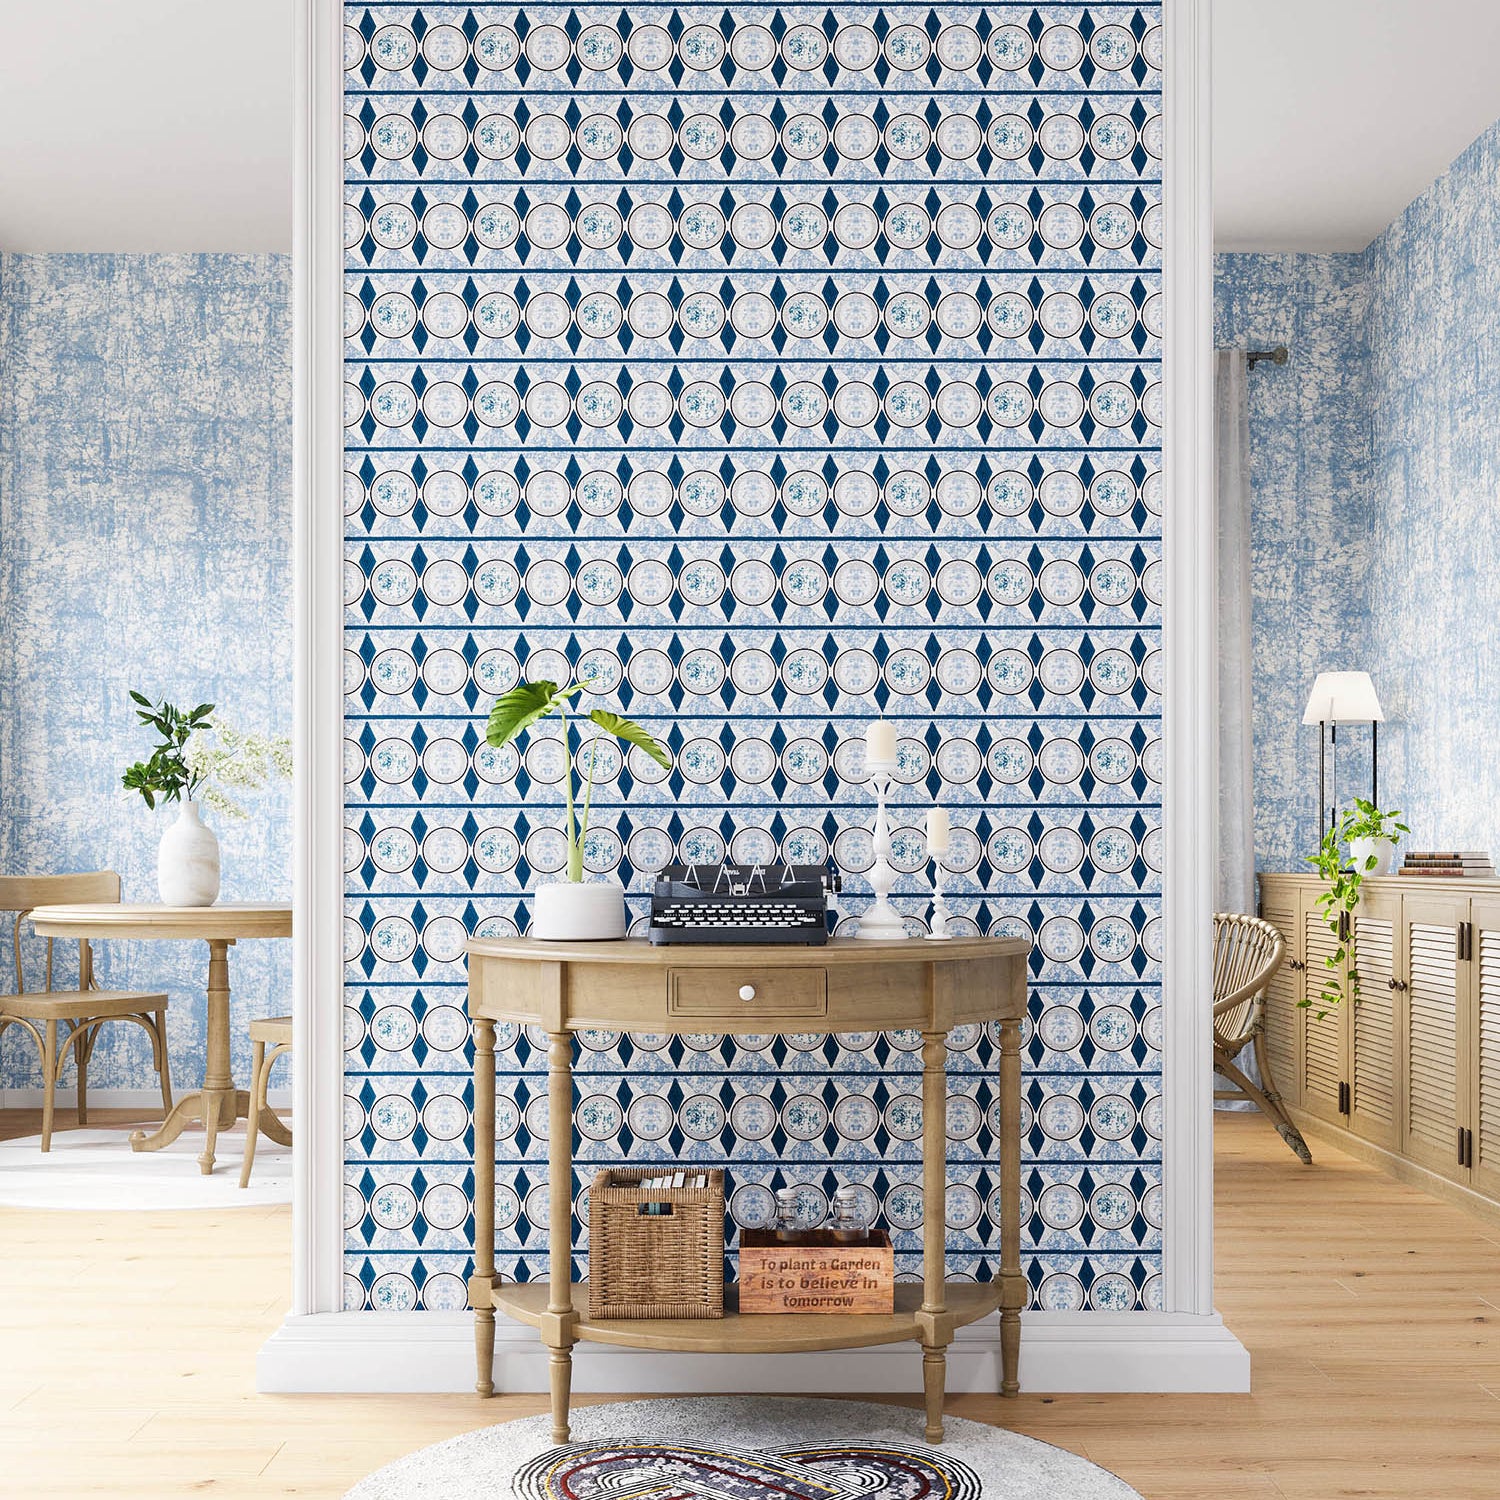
<point x="167" y="775"/>
<point x="527" y="703"/>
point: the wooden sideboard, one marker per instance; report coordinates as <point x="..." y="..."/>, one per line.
<point x="1409" y="1074"/>
<point x="848" y="985"/>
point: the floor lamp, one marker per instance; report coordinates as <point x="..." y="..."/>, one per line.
<point x="1343" y="698"/>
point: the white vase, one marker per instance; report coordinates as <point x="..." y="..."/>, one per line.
<point x="572" y="911"/>
<point x="1384" y="851"/>
<point x="187" y="863"/>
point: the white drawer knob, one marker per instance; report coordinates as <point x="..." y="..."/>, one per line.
<point x="747" y="992"/>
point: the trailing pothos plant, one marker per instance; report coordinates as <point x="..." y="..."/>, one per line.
<point x="526" y="703"/>
<point x="1344" y="876"/>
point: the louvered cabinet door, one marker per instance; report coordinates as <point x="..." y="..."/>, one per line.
<point x="1372" y="1092"/>
<point x="1483" y="1048"/>
<point x="1279" y="907"/>
<point x="1324" y="1025"/>
<point x="1436" y="1088"/>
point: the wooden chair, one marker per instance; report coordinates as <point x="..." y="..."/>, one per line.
<point x="277" y="1031"/>
<point x="1247" y="953"/>
<point x="85" y="1009"/>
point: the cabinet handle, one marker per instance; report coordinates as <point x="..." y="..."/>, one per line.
<point x="1461" y="1161"/>
<point x="747" y="992"/>
<point x="1395" y="984"/>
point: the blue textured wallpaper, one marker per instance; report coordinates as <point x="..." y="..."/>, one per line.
<point x="1432" y="582"/>
<point x="1376" y="532"/>
<point x="145" y="434"/>
<point x="771" y="368"/>
<point x="1310" y="444"/>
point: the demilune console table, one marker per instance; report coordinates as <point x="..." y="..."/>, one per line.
<point x="848" y="985"/>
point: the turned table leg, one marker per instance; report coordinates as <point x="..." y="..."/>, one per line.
<point x="934" y="1218"/>
<point x="484" y="1204"/>
<point x="560" y="1374"/>
<point x="1013" y="1283"/>
<point x="218" y="1104"/>
<point x="560" y="1224"/>
<point x="934" y="1380"/>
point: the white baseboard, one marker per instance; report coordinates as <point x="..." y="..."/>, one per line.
<point x="434" y="1352"/>
<point x="146" y="1100"/>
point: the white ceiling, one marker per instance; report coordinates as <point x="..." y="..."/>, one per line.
<point x="146" y="125"/>
<point x="161" y="125"/>
<point x="1330" y="116"/>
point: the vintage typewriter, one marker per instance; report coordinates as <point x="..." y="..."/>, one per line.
<point x="729" y="903"/>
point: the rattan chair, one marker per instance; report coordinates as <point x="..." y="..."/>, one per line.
<point x="1247" y="953"/>
<point x="84" y="1010"/>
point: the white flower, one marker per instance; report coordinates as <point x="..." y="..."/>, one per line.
<point x="226" y="759"/>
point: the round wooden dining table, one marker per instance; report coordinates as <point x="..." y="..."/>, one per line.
<point x="218" y="1104"/>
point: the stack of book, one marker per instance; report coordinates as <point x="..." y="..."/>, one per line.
<point x="1451" y="864"/>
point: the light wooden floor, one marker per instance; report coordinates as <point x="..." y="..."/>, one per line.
<point x="1372" y="1313"/>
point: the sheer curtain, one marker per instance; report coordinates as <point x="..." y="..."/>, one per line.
<point x="1236" y="826"/>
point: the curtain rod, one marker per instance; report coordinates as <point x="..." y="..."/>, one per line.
<point x="1277" y="356"/>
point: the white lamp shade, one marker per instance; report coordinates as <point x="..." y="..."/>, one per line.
<point x="1343" y="698"/>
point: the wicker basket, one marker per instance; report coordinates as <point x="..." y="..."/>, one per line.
<point x="668" y="1264"/>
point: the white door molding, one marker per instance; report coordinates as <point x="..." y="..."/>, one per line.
<point x="1189" y="635"/>
<point x="1186" y="1347"/>
<point x="318" y="551"/>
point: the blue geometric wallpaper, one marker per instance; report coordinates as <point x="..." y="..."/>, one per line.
<point x="771" y="368"/>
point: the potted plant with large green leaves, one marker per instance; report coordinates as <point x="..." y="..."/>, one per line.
<point x="571" y="908"/>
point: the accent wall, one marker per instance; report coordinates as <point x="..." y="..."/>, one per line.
<point x="1309" y="471"/>
<point x="145" y="434"/>
<point x="769" y="369"/>
<point x="1377" y="531"/>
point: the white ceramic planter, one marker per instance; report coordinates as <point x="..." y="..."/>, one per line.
<point x="577" y="911"/>
<point x="187" y="862"/>
<point x="1384" y="851"/>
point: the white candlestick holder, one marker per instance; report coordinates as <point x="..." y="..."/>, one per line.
<point x="940" y="913"/>
<point x="882" y="922"/>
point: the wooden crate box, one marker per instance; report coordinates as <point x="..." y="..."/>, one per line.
<point x="816" y="1274"/>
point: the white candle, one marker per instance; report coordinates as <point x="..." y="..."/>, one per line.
<point x="937" y="832"/>
<point x="880" y="744"/>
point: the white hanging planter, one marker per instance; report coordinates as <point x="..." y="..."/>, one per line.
<point x="579" y="912"/>
<point x="187" y="861"/>
<point x="1384" y="851"/>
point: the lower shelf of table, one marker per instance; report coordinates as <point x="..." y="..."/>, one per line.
<point x="753" y="1333"/>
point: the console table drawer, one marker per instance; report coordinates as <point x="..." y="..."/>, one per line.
<point x="763" y="993"/>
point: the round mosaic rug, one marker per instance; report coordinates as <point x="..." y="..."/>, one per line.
<point x="741" y="1448"/>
